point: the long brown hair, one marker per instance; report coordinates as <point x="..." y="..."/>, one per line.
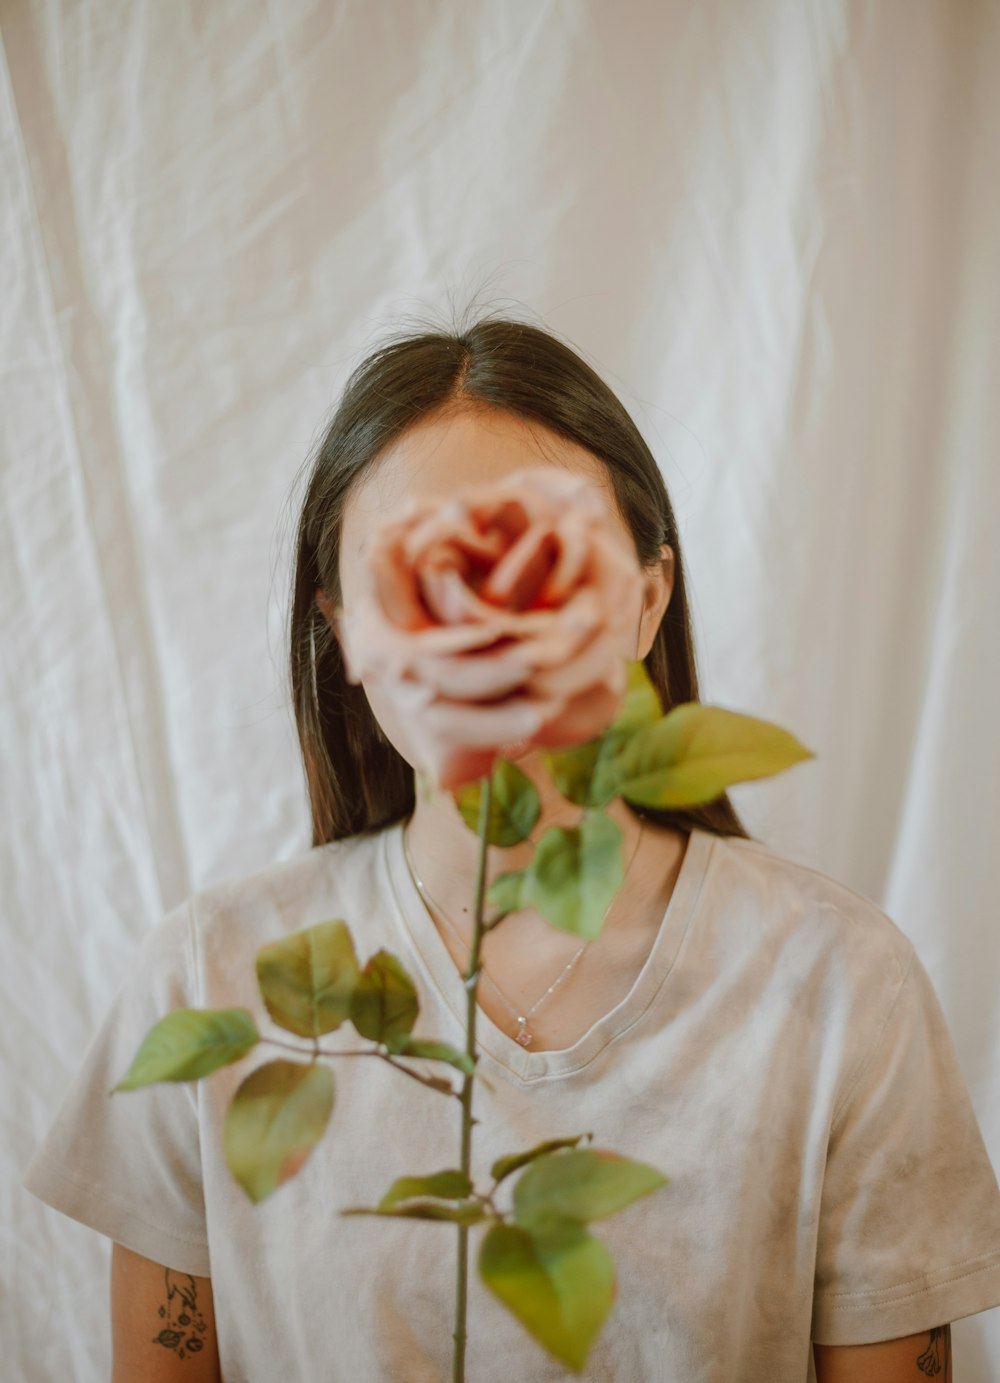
<point x="356" y="779"/>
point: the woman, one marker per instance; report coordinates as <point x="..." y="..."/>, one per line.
<point x="764" y="1035"/>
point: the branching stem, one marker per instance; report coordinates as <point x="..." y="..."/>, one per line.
<point x="432" y="1082"/>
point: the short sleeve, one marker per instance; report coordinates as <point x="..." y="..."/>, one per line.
<point x="909" y="1232"/>
<point x="129" y="1164"/>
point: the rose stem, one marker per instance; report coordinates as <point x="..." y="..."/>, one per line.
<point x="471" y="985"/>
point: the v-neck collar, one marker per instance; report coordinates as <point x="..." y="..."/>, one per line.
<point x="513" y="1059"/>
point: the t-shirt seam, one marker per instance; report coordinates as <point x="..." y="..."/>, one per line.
<point x="106" y="1194"/>
<point x="547" y="1076"/>
<point x="837" y="1301"/>
<point x="193" y="977"/>
<point x="614" y="1037"/>
<point x="762" y="847"/>
<point x="414" y="939"/>
<point x="195" y="932"/>
<point x="409" y="933"/>
<point x="842" y="1108"/>
<point x="827" y="879"/>
<point x="193" y="990"/>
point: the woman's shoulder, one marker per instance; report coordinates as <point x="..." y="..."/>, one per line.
<point x="792" y="900"/>
<point x="339" y="879"/>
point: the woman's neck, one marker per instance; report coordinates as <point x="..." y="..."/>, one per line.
<point x="444" y="852"/>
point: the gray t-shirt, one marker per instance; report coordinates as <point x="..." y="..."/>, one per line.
<point x="781" y="1057"/>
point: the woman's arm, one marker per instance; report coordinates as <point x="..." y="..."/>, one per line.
<point x="162" y="1323"/>
<point x="911" y="1359"/>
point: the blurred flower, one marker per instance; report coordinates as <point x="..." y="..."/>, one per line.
<point x="501" y="616"/>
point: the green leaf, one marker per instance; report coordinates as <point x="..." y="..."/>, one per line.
<point x="464" y="1213"/>
<point x="384" y="1005"/>
<point x="307" y="979"/>
<point x="432" y="1050"/>
<point x="586" y="773"/>
<point x="190" y="1043"/>
<point x="560" y="1284"/>
<point x="505" y="891"/>
<point x="575" y="872"/>
<point x="695" y="752"/>
<point x="582" y="1184"/>
<point x="275" y="1120"/>
<point x="503" y="1166"/>
<point x="514" y="804"/>
<point x="572" y="770"/>
<point x="451" y="1184"/>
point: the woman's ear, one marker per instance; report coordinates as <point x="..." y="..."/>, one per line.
<point x="327" y="607"/>
<point x="658" y="583"/>
<point x="332" y="613"/>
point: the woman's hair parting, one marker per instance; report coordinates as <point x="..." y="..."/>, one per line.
<point x="356" y="779"/>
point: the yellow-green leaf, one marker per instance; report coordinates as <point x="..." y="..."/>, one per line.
<point x="190" y="1043"/>
<point x="586" y="773"/>
<point x="464" y="1213"/>
<point x="514" y="804"/>
<point x="581" y="1184"/>
<point x="433" y="1050"/>
<point x="307" y="979"/>
<point x="503" y="1166"/>
<point x="505" y="891"/>
<point x="695" y="752"/>
<point x="274" y="1121"/>
<point x="560" y="1284"/>
<point x="575" y="872"/>
<point x="384" y="1005"/>
<point x="451" y="1184"/>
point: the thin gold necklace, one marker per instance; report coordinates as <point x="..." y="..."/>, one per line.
<point x="524" y="1036"/>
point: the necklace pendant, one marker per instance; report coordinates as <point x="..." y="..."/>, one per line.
<point x="524" y="1036"/>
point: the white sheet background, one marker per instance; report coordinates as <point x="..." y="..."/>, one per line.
<point x="772" y="226"/>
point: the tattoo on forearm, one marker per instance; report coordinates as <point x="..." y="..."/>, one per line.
<point x="185" y="1326"/>
<point x="935" y="1361"/>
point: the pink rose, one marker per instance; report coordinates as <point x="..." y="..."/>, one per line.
<point x="500" y="616"/>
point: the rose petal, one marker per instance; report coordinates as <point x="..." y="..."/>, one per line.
<point x="448" y="597"/>
<point x="383" y="648"/>
<point x="614" y="571"/>
<point x="599" y="661"/>
<point x="556" y="488"/>
<point x="395" y="590"/>
<point x="550" y="637"/>
<point x="483" y="723"/>
<point x="482" y="676"/>
<point x="575" y="540"/>
<point x="523" y="570"/>
<point x="500" y="513"/>
<point x="584" y="718"/>
<point x="543" y="638"/>
<point x="455" y="741"/>
<point x="456" y="765"/>
<point x="453" y="525"/>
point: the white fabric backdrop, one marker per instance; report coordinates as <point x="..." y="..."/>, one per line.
<point x="772" y="226"/>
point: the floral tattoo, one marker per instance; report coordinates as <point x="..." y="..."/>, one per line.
<point x="935" y="1361"/>
<point x="185" y="1330"/>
